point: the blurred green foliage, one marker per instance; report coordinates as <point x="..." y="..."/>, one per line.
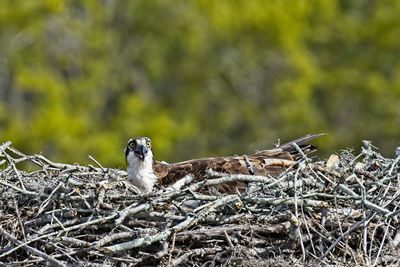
<point x="199" y="77"/>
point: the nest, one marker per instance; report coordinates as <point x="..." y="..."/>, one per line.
<point x="340" y="212"/>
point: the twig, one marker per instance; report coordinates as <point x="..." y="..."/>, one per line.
<point x="249" y="165"/>
<point x="228" y="240"/>
<point x="19" y="218"/>
<point x="131" y="210"/>
<point x="100" y="198"/>
<point x="286" y="201"/>
<point x="77" y="190"/>
<point x="145" y="241"/>
<point x="31" y="249"/>
<point x="172" y="248"/>
<point x="296" y="146"/>
<point x="47" y="200"/>
<point x="199" y="251"/>
<point x="354" y="226"/>
<point x="23" y="191"/>
<point x="4" y="146"/>
<point x="111" y="238"/>
<point x="297" y="213"/>
<point x="98" y="164"/>
<point x="219" y="231"/>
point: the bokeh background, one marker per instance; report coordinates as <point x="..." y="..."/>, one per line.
<point x="200" y="78"/>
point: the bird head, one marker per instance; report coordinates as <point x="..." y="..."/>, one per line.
<point x="139" y="163"/>
<point x="138" y="148"/>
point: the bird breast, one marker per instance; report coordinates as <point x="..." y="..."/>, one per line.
<point x="141" y="174"/>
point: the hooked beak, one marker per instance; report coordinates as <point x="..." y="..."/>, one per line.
<point x="140" y="152"/>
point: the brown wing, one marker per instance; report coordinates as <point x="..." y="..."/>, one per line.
<point x="169" y="174"/>
<point x="271" y="162"/>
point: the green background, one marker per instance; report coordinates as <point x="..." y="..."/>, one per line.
<point x="200" y="78"/>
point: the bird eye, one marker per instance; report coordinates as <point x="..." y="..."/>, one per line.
<point x="132" y="144"/>
<point x="148" y="144"/>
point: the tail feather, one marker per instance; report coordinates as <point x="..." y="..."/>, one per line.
<point x="301" y="140"/>
<point x="302" y="143"/>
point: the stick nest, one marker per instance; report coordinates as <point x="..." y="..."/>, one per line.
<point x="340" y="212"/>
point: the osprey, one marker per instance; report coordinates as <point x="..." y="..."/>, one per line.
<point x="144" y="172"/>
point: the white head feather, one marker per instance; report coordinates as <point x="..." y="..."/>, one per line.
<point x="139" y="163"/>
